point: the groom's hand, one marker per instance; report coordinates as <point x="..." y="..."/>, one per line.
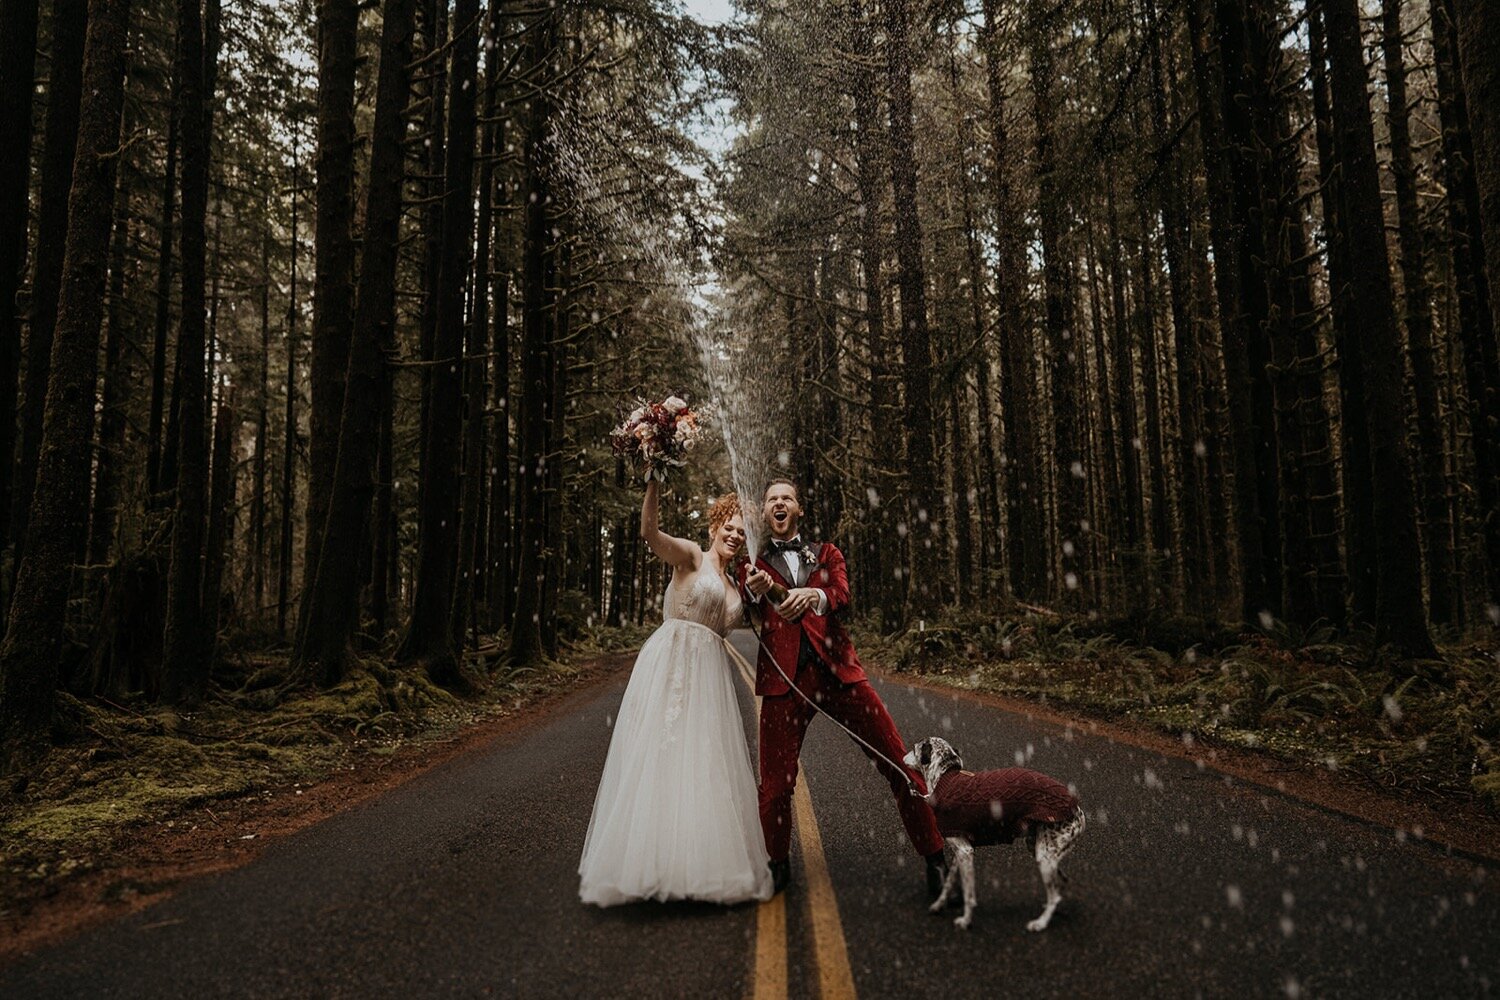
<point x="757" y="581"/>
<point x="798" y="603"/>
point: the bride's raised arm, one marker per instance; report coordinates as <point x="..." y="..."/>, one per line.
<point x="675" y="552"/>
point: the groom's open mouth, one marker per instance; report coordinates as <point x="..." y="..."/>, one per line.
<point x="779" y="517"/>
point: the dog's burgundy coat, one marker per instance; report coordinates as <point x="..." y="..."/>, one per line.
<point x="994" y="807"/>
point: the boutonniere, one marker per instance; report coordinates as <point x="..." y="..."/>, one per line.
<point x="809" y="555"/>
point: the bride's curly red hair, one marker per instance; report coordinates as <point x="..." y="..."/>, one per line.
<point x="723" y="509"/>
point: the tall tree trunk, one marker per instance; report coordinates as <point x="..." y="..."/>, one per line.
<point x="1275" y="249"/>
<point x="255" y="572"/>
<point x="1436" y="529"/>
<point x="1478" y="31"/>
<point x="212" y="37"/>
<point x="333" y="266"/>
<point x="496" y="189"/>
<point x="967" y="553"/>
<point x="64" y="78"/>
<point x="1359" y="511"/>
<point x="428" y="638"/>
<point x="1476" y="320"/>
<point x="434" y="27"/>
<point x="471" y="508"/>
<point x="1159" y="509"/>
<point x="332" y="607"/>
<point x="926" y="518"/>
<point x="556" y="553"/>
<point x="619" y="557"/>
<point x="155" y="431"/>
<point x="1193" y="554"/>
<point x="500" y="588"/>
<point x="1110" y="498"/>
<point x="1131" y="505"/>
<point x="1478" y="24"/>
<point x="1027" y="551"/>
<point x="1255" y="536"/>
<point x="18" y="24"/>
<point x="289" y="424"/>
<point x="536" y="346"/>
<point x="1063" y="355"/>
<point x="59" y="510"/>
<point x="1249" y="54"/>
<point x="188" y="648"/>
<point x="828" y="435"/>
<point x="384" y="559"/>
<point x="872" y="184"/>
<point x="1400" y="617"/>
<point x="988" y="491"/>
<point x="1216" y="431"/>
<point x="473" y="516"/>
<point x="220" y="511"/>
<point x="1315" y="461"/>
<point x="116" y="387"/>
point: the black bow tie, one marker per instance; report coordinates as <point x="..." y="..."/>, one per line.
<point x="777" y="545"/>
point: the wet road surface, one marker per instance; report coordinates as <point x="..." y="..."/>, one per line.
<point x="463" y="882"/>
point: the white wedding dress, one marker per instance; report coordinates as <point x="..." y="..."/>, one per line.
<point x="676" y="815"/>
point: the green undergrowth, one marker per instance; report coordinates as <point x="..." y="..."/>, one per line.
<point x="1310" y="696"/>
<point x="122" y="763"/>
<point x="601" y="639"/>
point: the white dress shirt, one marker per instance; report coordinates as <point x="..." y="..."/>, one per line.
<point x="794" y="556"/>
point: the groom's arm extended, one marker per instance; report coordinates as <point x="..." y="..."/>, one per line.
<point x="833" y="582"/>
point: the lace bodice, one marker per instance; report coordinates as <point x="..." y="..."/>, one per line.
<point x="701" y="596"/>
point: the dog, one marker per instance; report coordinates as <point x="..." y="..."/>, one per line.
<point x="974" y="809"/>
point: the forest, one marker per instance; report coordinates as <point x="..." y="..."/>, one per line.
<point x="315" y="319"/>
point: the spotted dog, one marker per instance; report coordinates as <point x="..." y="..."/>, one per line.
<point x="975" y="809"/>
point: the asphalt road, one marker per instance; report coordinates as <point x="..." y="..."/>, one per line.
<point x="463" y="882"/>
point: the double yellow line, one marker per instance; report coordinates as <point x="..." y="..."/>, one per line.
<point x="830" y="954"/>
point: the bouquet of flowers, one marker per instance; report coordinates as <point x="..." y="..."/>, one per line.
<point x="658" y="436"/>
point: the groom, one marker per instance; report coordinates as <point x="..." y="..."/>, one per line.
<point x="812" y="646"/>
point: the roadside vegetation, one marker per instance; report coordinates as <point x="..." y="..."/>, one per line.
<point x="122" y="763"/>
<point x="1308" y="696"/>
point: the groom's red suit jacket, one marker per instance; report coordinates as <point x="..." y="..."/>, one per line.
<point x="825" y="633"/>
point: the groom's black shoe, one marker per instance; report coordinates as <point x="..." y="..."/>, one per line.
<point x="781" y="874"/>
<point x="937" y="874"/>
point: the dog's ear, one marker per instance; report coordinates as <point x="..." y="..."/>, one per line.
<point x="924" y="753"/>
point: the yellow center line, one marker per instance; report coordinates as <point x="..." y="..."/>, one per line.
<point x="770" y="949"/>
<point x="770" y="917"/>
<point x="830" y="953"/>
<point x="835" y="978"/>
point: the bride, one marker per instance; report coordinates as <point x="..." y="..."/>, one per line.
<point x="676" y="814"/>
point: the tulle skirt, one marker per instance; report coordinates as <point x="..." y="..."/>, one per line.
<point x="676" y="814"/>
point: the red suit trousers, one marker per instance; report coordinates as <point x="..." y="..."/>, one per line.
<point x="783" y="724"/>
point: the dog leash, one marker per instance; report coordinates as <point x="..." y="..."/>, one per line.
<point x="911" y="785"/>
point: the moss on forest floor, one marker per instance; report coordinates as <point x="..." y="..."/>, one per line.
<point x="1310" y="697"/>
<point x="122" y="765"/>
